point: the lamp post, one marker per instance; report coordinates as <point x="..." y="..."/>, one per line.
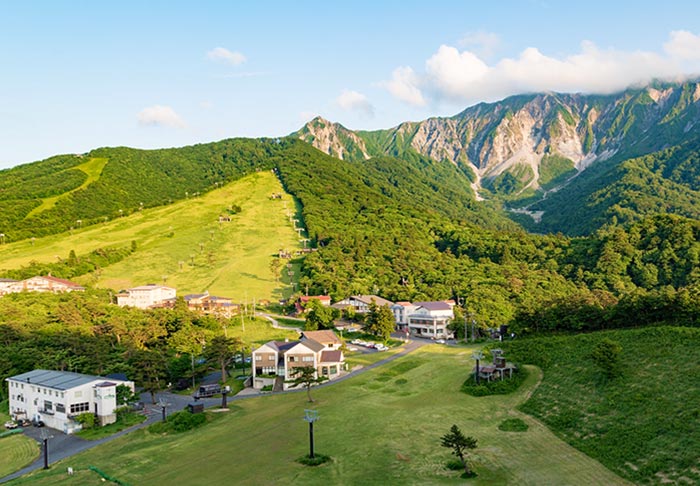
<point x="477" y="357"/>
<point x="224" y="392"/>
<point x="311" y="416"/>
<point x="45" y="436"/>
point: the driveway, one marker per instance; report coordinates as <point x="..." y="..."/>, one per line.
<point x="62" y="445"/>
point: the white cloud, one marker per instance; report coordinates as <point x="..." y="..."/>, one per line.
<point x="683" y="45"/>
<point x="405" y="85"/>
<point x="464" y="77"/>
<point x="158" y="116"/>
<point x="481" y="42"/>
<point x="222" y="54"/>
<point x="354" y="101"/>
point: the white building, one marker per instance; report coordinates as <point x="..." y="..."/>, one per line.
<point x="57" y="397"/>
<point x="401" y="312"/>
<point x="44" y="284"/>
<point x="145" y="296"/>
<point x="427" y="319"/>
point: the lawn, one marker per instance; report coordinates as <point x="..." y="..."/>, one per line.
<point x="645" y="424"/>
<point x="183" y="244"/>
<point x="16" y="451"/>
<point x="381" y="427"/>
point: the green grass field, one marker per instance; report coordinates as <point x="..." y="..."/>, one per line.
<point x="184" y="246"/>
<point x="16" y="451"/>
<point x="645" y="424"/>
<point x="382" y="427"/>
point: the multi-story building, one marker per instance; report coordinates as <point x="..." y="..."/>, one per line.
<point x="425" y="319"/>
<point x="44" y="284"/>
<point x="57" y="397"/>
<point x="274" y="362"/>
<point x="145" y="296"/>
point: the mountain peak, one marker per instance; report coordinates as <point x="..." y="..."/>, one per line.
<point x="333" y="139"/>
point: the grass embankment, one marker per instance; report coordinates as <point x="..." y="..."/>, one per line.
<point x="184" y="245"/>
<point x="381" y="427"/>
<point x="16" y="452"/>
<point x="645" y="424"/>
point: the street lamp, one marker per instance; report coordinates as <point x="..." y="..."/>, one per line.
<point x="45" y="436"/>
<point x="477" y="356"/>
<point x="311" y="416"/>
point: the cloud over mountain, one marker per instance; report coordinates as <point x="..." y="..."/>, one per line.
<point x="463" y="76"/>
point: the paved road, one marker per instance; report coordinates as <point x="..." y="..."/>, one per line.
<point x="277" y="325"/>
<point x="62" y="445"/>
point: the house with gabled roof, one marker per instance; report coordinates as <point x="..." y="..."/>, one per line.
<point x="361" y="303"/>
<point x="211" y="304"/>
<point x="275" y="361"/>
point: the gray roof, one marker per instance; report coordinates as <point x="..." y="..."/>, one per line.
<point x="58" y="380"/>
<point x="434" y="306"/>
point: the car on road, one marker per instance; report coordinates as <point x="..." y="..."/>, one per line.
<point x="381" y="347"/>
<point x="440" y="341"/>
<point x="11" y="424"/>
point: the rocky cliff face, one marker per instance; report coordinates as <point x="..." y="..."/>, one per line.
<point x="333" y="139"/>
<point x="531" y="142"/>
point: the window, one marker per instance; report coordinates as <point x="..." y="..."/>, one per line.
<point x="308" y="359"/>
<point x="292" y="359"/>
<point x="60" y="408"/>
<point x="80" y="407"/>
<point x="258" y="358"/>
<point x="78" y="394"/>
<point x="48" y="405"/>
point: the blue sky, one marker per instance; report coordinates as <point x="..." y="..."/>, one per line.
<point x="80" y="75"/>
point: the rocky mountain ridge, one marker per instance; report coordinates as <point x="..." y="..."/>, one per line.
<point x="525" y="145"/>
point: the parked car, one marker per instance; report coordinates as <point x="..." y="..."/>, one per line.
<point x="38" y="423"/>
<point x="381" y="347"/>
<point x="11" y="424"/>
<point x="440" y="341"/>
<point x="25" y="422"/>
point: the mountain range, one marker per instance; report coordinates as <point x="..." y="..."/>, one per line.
<point x="548" y="155"/>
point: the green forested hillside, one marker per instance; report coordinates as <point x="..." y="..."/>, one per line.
<point x="130" y="179"/>
<point x="623" y="191"/>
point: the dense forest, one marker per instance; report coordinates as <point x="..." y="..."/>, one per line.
<point x="403" y="229"/>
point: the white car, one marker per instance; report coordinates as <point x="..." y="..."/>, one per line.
<point x="10" y="424"/>
<point x="440" y="341"/>
<point x="381" y="347"/>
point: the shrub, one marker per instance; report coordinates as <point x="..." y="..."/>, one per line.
<point x="513" y="425"/>
<point x="317" y="460"/>
<point x="179" y="422"/>
<point x="87" y="420"/>
<point x="496" y="387"/>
